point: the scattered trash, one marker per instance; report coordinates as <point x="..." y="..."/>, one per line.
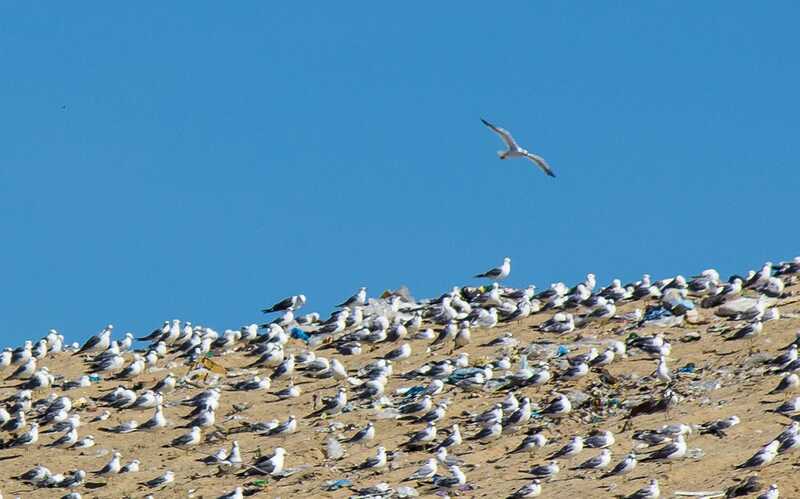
<point x="299" y="334"/>
<point x="332" y="485"/>
<point x="688" y="368"/>
<point x="562" y="351"/>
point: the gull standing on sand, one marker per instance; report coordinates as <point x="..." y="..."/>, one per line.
<point x="515" y="151"/>
<point x="97" y="343"/>
<point x="623" y="467"/>
<point x="650" y="492"/>
<point x="159" y="481"/>
<point x="532" y="489"/>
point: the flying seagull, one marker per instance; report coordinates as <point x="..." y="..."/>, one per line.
<point x="515" y="151"/>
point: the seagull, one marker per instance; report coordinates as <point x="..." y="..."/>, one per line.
<point x="126" y="427"/>
<point x="425" y="471"/>
<point x="515" y="151"/>
<point x="84" y="443"/>
<point x="545" y="470"/>
<point x="188" y="439"/>
<point x="30" y="437"/>
<point x="112" y="467"/>
<point x="457" y="479"/>
<point x="532" y="489"/>
<point x="572" y="448"/>
<point x="377" y="461"/>
<point x="35" y="475"/>
<point x="650" y="492"/>
<point x="717" y="428"/>
<point x="789" y="382"/>
<point x="597" y="462"/>
<point x="623" y="467"/>
<point x="97" y="343"/>
<point x="157" y="421"/>
<point x="358" y="299"/>
<point x="290" y="303"/>
<point x="364" y="435"/>
<point x="675" y="450"/>
<point x="286" y="428"/>
<point x="771" y="493"/>
<point x="497" y="273"/>
<point x="531" y="443"/>
<point x="237" y="493"/>
<point x="270" y="465"/>
<point x="164" y="479"/>
<point x="558" y="407"/>
<point x="131" y="467"/>
<point x="453" y="439"/>
<point x="422" y="437"/>
<point x="763" y="457"/>
<point x="600" y="440"/>
<point x="66" y="440"/>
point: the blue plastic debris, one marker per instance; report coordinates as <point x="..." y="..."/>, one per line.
<point x="463" y="373"/>
<point x="299" y="334"/>
<point x="688" y="368"/>
<point x="414" y="391"/>
<point x="94" y="378"/>
<point x="656" y="313"/>
<point x="338" y="484"/>
<point x="562" y="351"/>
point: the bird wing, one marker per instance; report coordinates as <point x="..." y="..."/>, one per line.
<point x="504" y="134"/>
<point x="541" y="163"/>
<point x="281" y="305"/>
<point x="92" y="342"/>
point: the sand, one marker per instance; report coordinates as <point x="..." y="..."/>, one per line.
<point x="743" y="392"/>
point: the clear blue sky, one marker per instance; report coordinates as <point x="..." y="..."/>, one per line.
<point x="200" y="160"/>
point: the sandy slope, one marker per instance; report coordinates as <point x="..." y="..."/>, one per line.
<point x="742" y="393"/>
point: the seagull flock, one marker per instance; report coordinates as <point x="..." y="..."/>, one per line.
<point x="388" y="398"/>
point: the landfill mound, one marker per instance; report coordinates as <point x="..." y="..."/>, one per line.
<point x="709" y="377"/>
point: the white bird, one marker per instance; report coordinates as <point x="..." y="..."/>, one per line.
<point x="515" y="151"/>
<point x="188" y="439"/>
<point x="97" y="343"/>
<point x="548" y="470"/>
<point x="30" y="437"/>
<point x="157" y="421"/>
<point x="498" y="273"/>
<point x="358" y="299"/>
<point x="597" y="462"/>
<point x="66" y="440"/>
<point x="771" y="493"/>
<point x="651" y="491"/>
<point x="131" y="467"/>
<point x="160" y="481"/>
<point x="532" y="489"/>
<point x="559" y="406"/>
<point x="112" y="467"/>
<point x="623" y="467"/>
<point x="24" y="371"/>
<point x="572" y="448"/>
<point x="662" y="371"/>
<point x="237" y="493"/>
<point x="84" y="443"/>
<point x="763" y="457"/>
<point x="291" y="303"/>
<point x="531" y="443"/>
<point x="425" y="471"/>
<point x="675" y="450"/>
<point x="600" y="440"/>
<point x="376" y="461"/>
<point x="458" y="478"/>
<point x="270" y="465"/>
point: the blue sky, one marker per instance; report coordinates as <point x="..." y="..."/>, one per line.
<point x="199" y="161"/>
